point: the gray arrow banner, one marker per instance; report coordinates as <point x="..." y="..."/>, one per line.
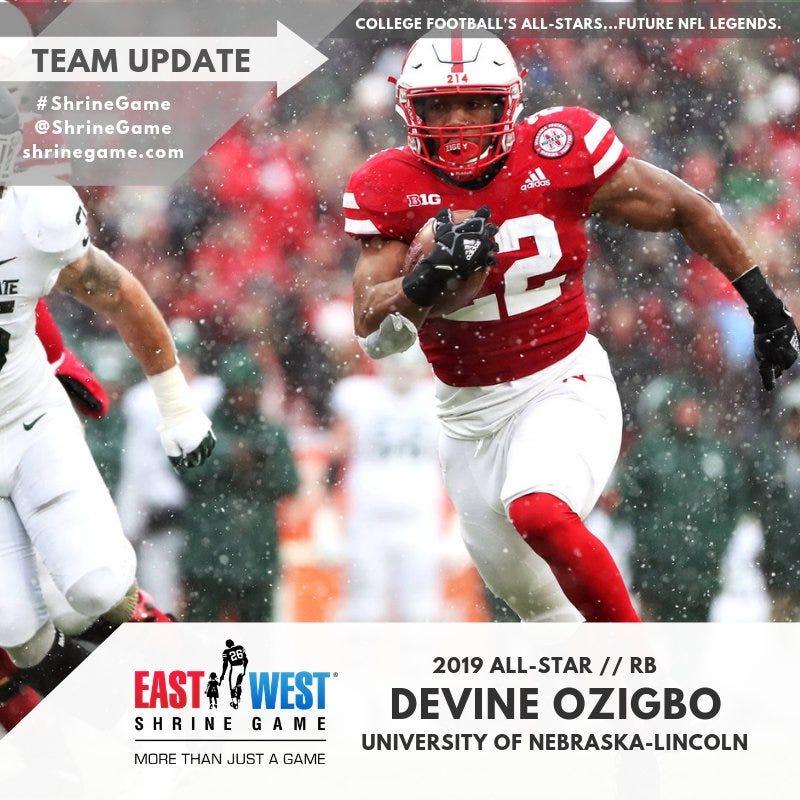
<point x="130" y="132"/>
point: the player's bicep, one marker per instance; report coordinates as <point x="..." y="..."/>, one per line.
<point x="643" y="196"/>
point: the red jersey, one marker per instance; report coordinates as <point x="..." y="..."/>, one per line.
<point x="531" y="311"/>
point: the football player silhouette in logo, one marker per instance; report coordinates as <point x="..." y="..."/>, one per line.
<point x="234" y="656"/>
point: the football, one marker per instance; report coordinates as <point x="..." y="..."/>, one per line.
<point x="459" y="293"/>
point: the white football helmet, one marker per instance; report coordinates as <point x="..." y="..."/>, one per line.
<point x="460" y="65"/>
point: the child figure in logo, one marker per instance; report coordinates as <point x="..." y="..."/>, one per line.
<point x="234" y="656"/>
<point x="212" y="690"/>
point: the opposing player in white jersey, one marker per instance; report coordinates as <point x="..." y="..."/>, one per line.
<point x="394" y="497"/>
<point x="530" y="414"/>
<point x="52" y="498"/>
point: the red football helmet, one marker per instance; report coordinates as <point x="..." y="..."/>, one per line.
<point x="460" y="65"/>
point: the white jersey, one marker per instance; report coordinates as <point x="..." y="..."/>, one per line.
<point x="393" y="469"/>
<point x="42" y="229"/>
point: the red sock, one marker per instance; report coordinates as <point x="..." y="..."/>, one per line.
<point x="15" y="709"/>
<point x="580" y="561"/>
<point x="16" y="700"/>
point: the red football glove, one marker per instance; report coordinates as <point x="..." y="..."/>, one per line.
<point x="83" y="388"/>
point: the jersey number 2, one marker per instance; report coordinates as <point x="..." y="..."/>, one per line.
<point x="516" y="294"/>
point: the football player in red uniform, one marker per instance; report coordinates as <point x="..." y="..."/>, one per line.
<point x="530" y="415"/>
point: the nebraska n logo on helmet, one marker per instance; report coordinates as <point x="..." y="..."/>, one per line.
<point x="10" y="136"/>
<point x="436" y="67"/>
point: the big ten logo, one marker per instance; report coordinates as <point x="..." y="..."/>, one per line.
<point x="415" y="200"/>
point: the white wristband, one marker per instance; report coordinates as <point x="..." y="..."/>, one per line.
<point x="173" y="395"/>
<point x="394" y="335"/>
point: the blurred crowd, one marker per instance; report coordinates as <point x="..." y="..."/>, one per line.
<point x="247" y="254"/>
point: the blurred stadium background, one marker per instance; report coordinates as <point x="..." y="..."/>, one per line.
<point x="249" y="247"/>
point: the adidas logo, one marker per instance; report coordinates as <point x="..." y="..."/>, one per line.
<point x="470" y="247"/>
<point x="535" y="180"/>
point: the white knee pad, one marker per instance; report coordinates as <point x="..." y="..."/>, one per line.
<point x="35" y="649"/>
<point x="97" y="592"/>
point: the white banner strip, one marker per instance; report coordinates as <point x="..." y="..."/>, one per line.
<point x="354" y="712"/>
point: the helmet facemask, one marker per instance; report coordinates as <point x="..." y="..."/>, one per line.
<point x="463" y="151"/>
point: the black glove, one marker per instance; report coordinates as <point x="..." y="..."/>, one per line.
<point x="197" y="456"/>
<point x="775" y="333"/>
<point x="776" y="349"/>
<point x="459" y="250"/>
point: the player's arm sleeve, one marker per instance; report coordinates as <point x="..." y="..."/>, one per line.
<point x="54" y="221"/>
<point x="77" y="379"/>
<point x="48" y="333"/>
<point x="374" y="206"/>
<point x="595" y="152"/>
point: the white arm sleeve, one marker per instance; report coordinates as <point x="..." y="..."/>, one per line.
<point x="395" y="335"/>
